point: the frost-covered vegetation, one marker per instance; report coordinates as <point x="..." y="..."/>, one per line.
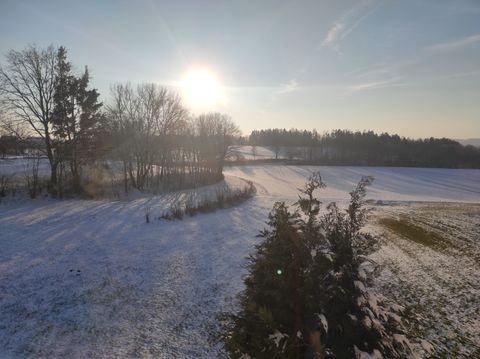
<point x="306" y="293"/>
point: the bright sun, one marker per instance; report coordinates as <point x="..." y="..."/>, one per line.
<point x="202" y="90"/>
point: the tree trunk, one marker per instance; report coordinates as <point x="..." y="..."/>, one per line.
<point x="53" y="163"/>
<point x="53" y="174"/>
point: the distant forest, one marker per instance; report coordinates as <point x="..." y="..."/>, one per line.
<point x="367" y="148"/>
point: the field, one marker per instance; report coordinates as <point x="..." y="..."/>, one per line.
<point x="89" y="278"/>
<point x="430" y="257"/>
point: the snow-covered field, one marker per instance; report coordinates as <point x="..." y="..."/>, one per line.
<point x="258" y="153"/>
<point x="17" y="167"/>
<point x="391" y="184"/>
<point x="83" y="278"/>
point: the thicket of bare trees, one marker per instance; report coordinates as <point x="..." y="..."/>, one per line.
<point x="146" y="128"/>
<point x="158" y="143"/>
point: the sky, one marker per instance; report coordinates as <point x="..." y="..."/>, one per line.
<point x="410" y="67"/>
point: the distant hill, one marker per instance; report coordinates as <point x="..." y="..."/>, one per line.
<point x="470" y="141"/>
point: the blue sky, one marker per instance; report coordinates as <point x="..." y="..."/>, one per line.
<point x="407" y="67"/>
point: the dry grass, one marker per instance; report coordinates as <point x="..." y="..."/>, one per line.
<point x="413" y="232"/>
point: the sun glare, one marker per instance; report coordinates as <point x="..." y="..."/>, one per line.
<point x="202" y="89"/>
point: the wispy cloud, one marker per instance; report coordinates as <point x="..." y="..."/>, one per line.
<point x="334" y="33"/>
<point x="349" y="21"/>
<point x="375" y="70"/>
<point x="291" y="86"/>
<point x="452" y="45"/>
<point x="374" y="85"/>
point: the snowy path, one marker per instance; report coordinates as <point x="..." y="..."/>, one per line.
<point x="91" y="279"/>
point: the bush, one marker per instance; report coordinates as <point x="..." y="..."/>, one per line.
<point x="305" y="293"/>
<point x="222" y="199"/>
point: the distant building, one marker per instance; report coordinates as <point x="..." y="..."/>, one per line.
<point x="14" y="146"/>
<point x="9" y="146"/>
<point x="33" y="146"/>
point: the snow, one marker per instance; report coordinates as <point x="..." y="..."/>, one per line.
<point x="84" y="278"/>
<point x="18" y="167"/>
<point x="364" y="355"/>
<point x="80" y="276"/>
<point x="429" y="348"/>
<point x="268" y="152"/>
<point x="437" y="285"/>
<point x="390" y="184"/>
<point x="277" y="337"/>
<point x="324" y="322"/>
<point x="262" y="153"/>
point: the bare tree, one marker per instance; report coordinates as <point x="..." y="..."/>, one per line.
<point x="121" y="112"/>
<point x="11" y="135"/>
<point x="9" y="127"/>
<point x="27" y="87"/>
<point x="218" y="131"/>
<point x="146" y="120"/>
<point x="159" y="144"/>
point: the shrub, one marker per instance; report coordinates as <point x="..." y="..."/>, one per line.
<point x="223" y="199"/>
<point x="177" y="212"/>
<point x="305" y="292"/>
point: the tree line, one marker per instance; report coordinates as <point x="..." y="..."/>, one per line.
<point x="146" y="128"/>
<point x="344" y="147"/>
